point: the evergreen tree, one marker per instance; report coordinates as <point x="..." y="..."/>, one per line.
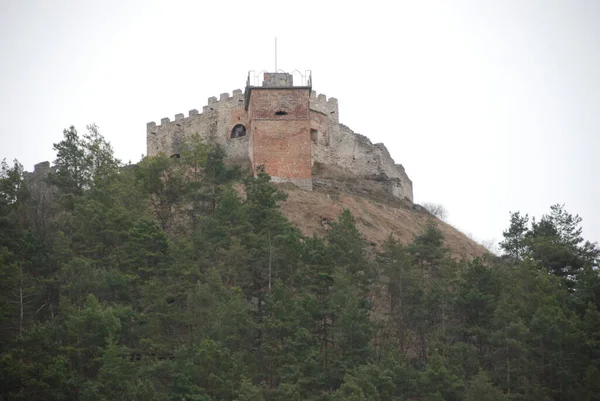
<point x="514" y="238"/>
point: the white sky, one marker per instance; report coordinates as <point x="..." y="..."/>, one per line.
<point x="491" y="106"/>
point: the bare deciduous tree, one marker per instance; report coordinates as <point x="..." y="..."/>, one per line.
<point x="436" y="209"/>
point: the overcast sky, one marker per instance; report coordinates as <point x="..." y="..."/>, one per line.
<point x="491" y="106"/>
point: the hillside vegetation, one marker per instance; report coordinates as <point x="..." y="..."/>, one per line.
<point x="161" y="282"/>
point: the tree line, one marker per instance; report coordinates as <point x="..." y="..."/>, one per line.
<point x="180" y="279"/>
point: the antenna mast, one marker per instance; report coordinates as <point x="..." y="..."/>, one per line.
<point x="275" y="54"/>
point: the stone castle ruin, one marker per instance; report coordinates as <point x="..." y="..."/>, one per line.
<point x="292" y="131"/>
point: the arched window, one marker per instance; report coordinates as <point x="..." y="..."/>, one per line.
<point x="238" y="131"/>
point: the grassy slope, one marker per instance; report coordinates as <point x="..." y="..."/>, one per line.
<point x="310" y="211"/>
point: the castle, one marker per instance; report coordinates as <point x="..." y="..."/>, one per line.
<point x="292" y="131"/>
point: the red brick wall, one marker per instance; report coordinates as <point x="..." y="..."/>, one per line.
<point x="284" y="150"/>
<point x="265" y="102"/>
<point x="281" y="142"/>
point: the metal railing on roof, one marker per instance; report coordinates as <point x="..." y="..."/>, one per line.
<point x="299" y="79"/>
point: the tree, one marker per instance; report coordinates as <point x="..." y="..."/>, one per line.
<point x="88" y="331"/>
<point x="437" y="379"/>
<point x="514" y="238"/>
<point x="347" y="250"/>
<point x="72" y="167"/>
<point x="476" y="299"/>
<point x="100" y="155"/>
<point x="431" y="299"/>
<point x="554" y="243"/>
<point x="12" y="196"/>
<point x="270" y="234"/>
<point x="82" y="162"/>
<point x="436" y="209"/>
<point x="118" y="378"/>
<point x="480" y="388"/>
<point x="404" y="289"/>
<point x="162" y="181"/>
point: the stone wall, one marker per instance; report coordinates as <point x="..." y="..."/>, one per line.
<point x="213" y="125"/>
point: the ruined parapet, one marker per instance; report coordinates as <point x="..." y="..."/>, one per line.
<point x="42" y="169"/>
<point x="354" y="155"/>
<point x="41" y="192"/>
<point x="40" y="172"/>
<point x="350" y="154"/>
<point x="400" y="185"/>
<point x="324" y="124"/>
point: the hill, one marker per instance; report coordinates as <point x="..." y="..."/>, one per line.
<point x="376" y="217"/>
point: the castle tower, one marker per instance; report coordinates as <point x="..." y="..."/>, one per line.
<point x="280" y="128"/>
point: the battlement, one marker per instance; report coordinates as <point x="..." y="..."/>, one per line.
<point x="320" y="103"/>
<point x="212" y="104"/>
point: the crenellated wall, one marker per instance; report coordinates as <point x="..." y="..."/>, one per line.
<point x="334" y="147"/>
<point x="320" y="103"/>
<point x="213" y="125"/>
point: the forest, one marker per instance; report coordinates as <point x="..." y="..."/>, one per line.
<point x="180" y="279"/>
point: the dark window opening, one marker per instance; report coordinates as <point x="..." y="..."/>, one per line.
<point x="314" y="135"/>
<point x="281" y="113"/>
<point x="238" y="131"/>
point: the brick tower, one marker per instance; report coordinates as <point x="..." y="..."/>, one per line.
<point x="280" y="128"/>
